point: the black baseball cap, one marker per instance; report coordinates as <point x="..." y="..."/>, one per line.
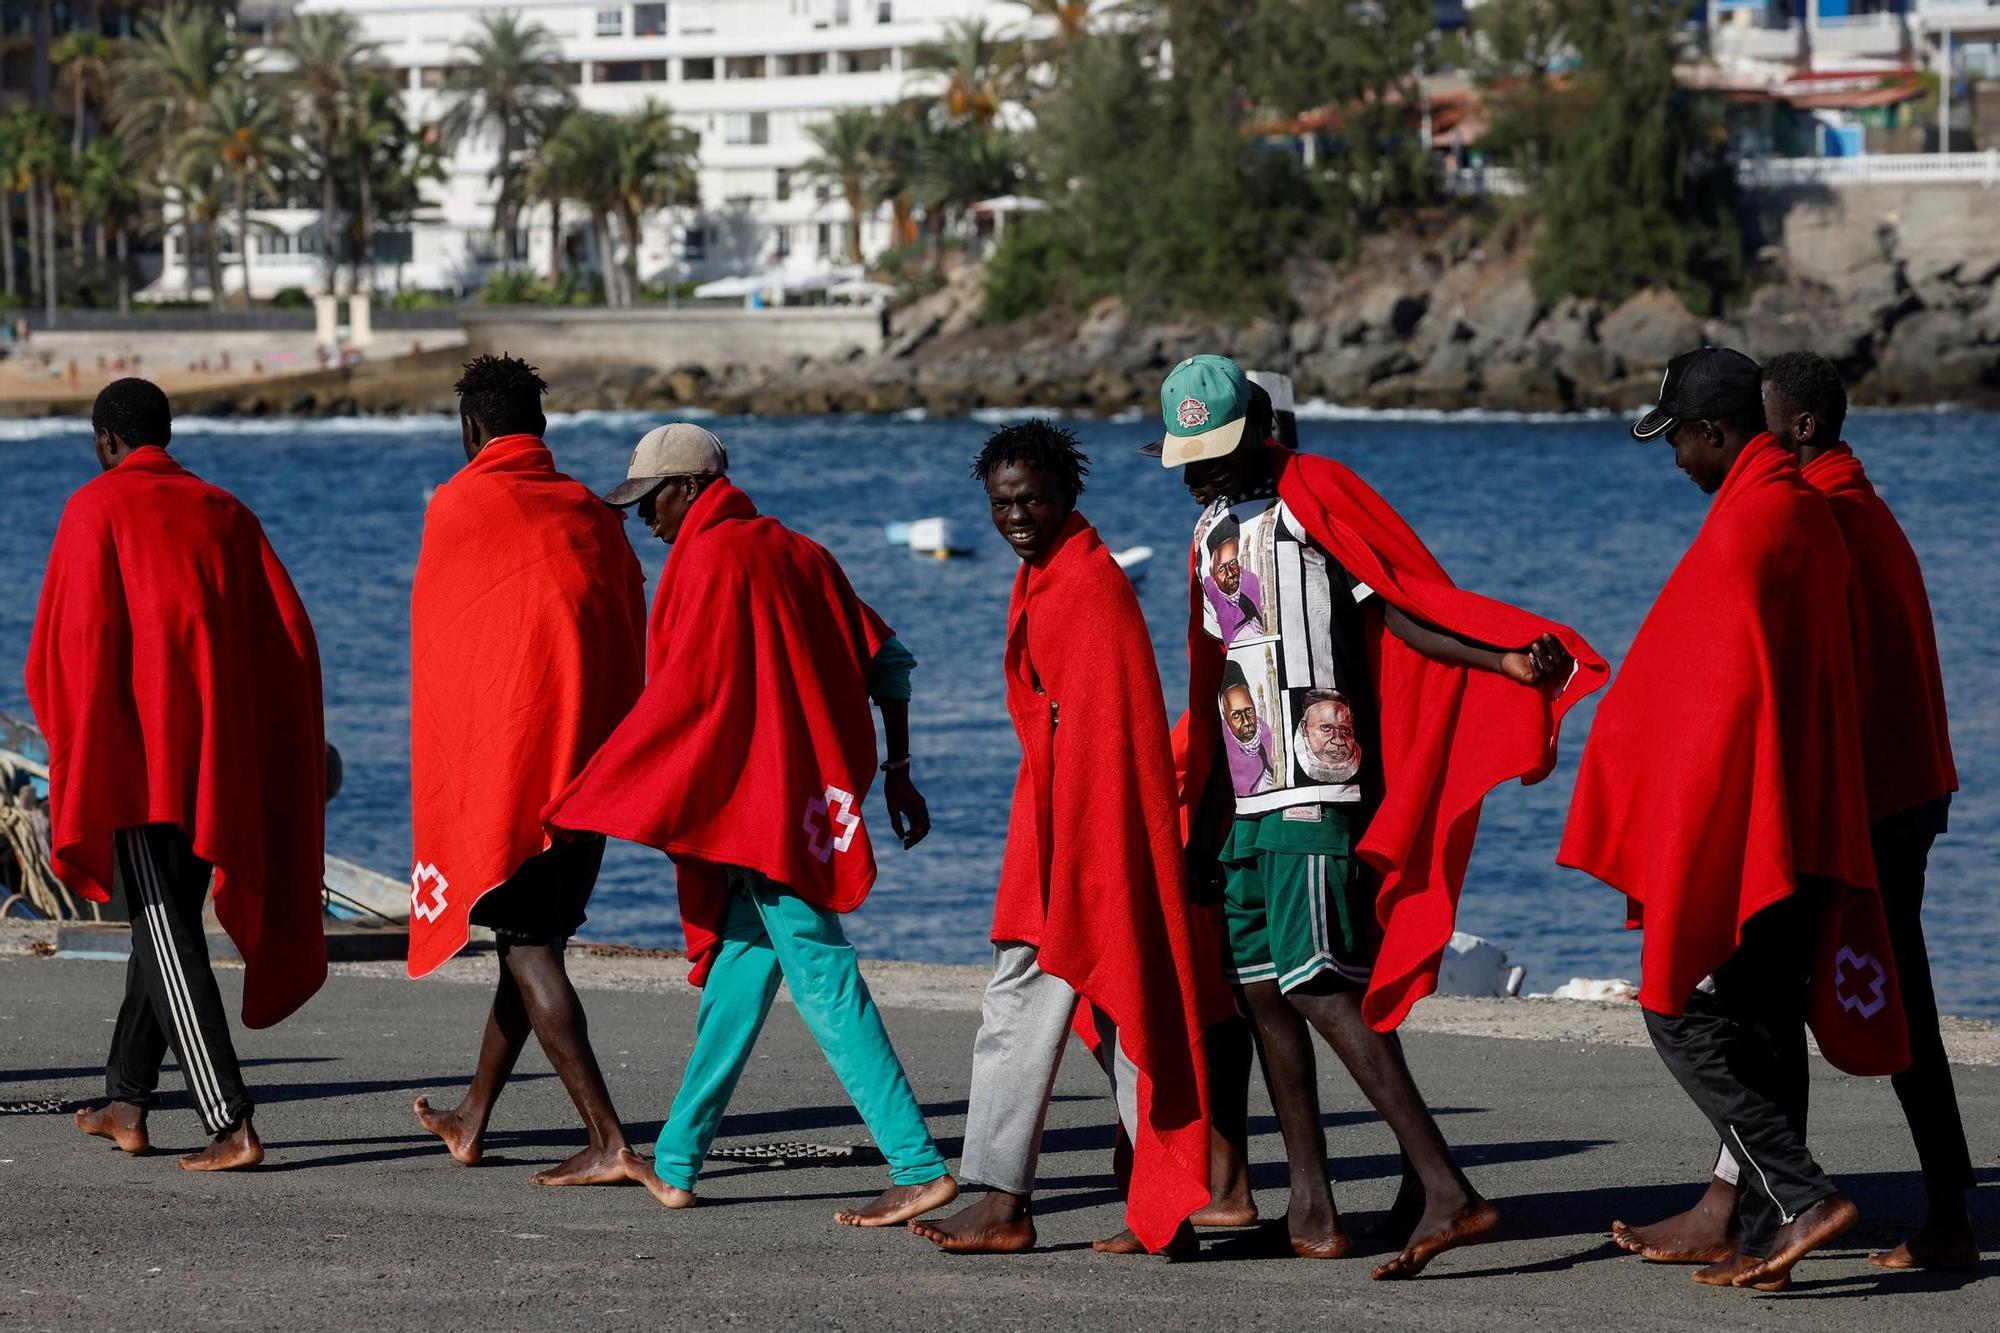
<point x="1707" y="384"/>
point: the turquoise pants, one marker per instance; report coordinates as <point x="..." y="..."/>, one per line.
<point x="772" y="934"/>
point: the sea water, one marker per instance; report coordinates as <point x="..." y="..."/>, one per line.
<point x="1567" y="517"/>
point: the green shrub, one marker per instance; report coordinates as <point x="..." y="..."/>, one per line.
<point x="515" y="286"/>
<point x="417" y="300"/>
<point x="291" y="298"/>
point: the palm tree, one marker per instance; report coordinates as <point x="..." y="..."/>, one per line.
<point x="245" y="131"/>
<point x="332" y="66"/>
<point x="510" y="78"/>
<point x="41" y="159"/>
<point x="11" y="184"/>
<point x="981" y="68"/>
<point x="162" y="82"/>
<point x="108" y="192"/>
<point x="652" y="168"/>
<point x="963" y="164"/>
<point x="1070" y="19"/>
<point x="201" y="187"/>
<point x="84" y="57"/>
<point x="845" y="158"/>
<point x="579" y="162"/>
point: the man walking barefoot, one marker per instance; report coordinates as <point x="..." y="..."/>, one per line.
<point x="174" y="672"/>
<point x="746" y="760"/>
<point x="1341" y="864"/>
<point x="527" y="634"/>
<point x="1092" y="909"/>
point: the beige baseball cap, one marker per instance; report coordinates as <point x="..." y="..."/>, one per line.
<point x="677" y="449"/>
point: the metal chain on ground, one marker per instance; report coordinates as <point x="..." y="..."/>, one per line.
<point x="777" y="1154"/>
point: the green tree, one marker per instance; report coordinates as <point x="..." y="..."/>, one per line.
<point x="41" y="160"/>
<point x="845" y="157"/>
<point x="580" y="163"/>
<point x="109" y="194"/>
<point x="509" y="79"/>
<point x="244" y="131"/>
<point x="332" y="68"/>
<point x="162" y="83"/>
<point x="1631" y="176"/>
<point x="13" y="181"/>
<point x="979" y="69"/>
<point x="652" y="169"/>
<point x="84" y="57"/>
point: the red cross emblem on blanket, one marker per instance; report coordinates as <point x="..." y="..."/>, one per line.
<point x="1853" y="971"/>
<point x="830" y="823"/>
<point x="424" y="875"/>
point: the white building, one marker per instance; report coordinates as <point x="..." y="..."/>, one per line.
<point x="747" y="76"/>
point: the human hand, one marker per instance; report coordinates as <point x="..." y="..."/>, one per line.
<point x="1540" y="663"/>
<point x="908" y="815"/>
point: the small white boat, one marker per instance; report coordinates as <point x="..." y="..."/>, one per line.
<point x="1134" y="560"/>
<point x="933" y="537"/>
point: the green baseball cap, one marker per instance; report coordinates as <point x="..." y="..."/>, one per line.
<point x="1202" y="404"/>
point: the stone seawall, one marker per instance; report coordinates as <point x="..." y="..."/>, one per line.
<point x="566" y="341"/>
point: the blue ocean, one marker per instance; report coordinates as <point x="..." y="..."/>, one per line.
<point x="1568" y="517"/>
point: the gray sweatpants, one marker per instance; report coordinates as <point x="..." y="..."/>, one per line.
<point x="1024" y="1022"/>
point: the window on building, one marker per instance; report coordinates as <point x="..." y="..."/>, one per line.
<point x="885" y="12"/>
<point x="694" y="245"/>
<point x="649" y="20"/>
<point x="695" y="70"/>
<point x="743" y="67"/>
<point x="784" y="241"/>
<point x="825" y="239"/>
<point x="746" y="127"/>
<point x="842" y="14"/>
<point x="866" y="62"/>
<point x="432" y="76"/>
<point x="784" y="190"/>
<point x="611" y="22"/>
<point x="572" y="73"/>
<point x="794" y="66"/>
<point x="629" y="71"/>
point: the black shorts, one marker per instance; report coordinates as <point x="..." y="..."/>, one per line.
<point x="543" y="901"/>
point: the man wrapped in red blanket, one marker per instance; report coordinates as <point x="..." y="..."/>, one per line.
<point x="1336" y="760"/>
<point x="175" y="675"/>
<point x="527" y="644"/>
<point x="1722" y="792"/>
<point x="1906" y="755"/>
<point x="746" y="760"/>
<point x="1092" y="907"/>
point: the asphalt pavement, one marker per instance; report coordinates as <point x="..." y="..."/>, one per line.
<point x="359" y="1220"/>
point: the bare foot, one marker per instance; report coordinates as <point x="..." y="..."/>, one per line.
<point x="466" y="1143"/>
<point x="1731" y="1268"/>
<point x="1317" y="1235"/>
<point x="1704" y="1234"/>
<point x="1227" y="1212"/>
<point x="641" y="1171"/>
<point x="1182" y="1246"/>
<point x="121" y="1122"/>
<point x="232" y="1151"/>
<point x="1472" y="1222"/>
<point x="997" y="1224"/>
<point x="1946" y="1244"/>
<point x="900" y="1203"/>
<point x="1821" y="1224"/>
<point x="592" y="1166"/>
<point x="1231" y="1203"/>
<point x="1122" y="1243"/>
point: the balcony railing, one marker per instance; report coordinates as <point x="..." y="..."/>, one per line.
<point x="1871" y="169"/>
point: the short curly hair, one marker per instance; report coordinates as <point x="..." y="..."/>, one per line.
<point x="134" y="410"/>
<point x="504" y="394"/>
<point x="1808" y="382"/>
<point x="1041" y="444"/>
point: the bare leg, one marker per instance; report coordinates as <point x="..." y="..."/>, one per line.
<point x="121" y="1122"/>
<point x="1704" y="1234"/>
<point x="1311" y="1220"/>
<point x="1230" y="1054"/>
<point x="232" y="1150"/>
<point x="1000" y="1223"/>
<point x="1454" y="1213"/>
<point x="557" y="1016"/>
<point x="463" y="1128"/>
<point x="1945" y="1242"/>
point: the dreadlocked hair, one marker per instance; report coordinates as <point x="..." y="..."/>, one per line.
<point x="504" y="394"/>
<point x="1042" y="445"/>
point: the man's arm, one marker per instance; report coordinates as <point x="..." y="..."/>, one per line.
<point x="1542" y="662"/>
<point x="889" y="684"/>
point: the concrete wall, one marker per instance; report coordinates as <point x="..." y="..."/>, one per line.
<point x="664" y="339"/>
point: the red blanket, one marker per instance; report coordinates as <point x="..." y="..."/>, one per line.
<point x="1094" y="874"/>
<point x="174" y="671"/>
<point x="753" y="744"/>
<point x="1905" y="741"/>
<point x="1726" y="761"/>
<point x="1449" y="734"/>
<point x="527" y="645"/>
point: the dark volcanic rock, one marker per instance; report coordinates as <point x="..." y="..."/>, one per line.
<point x="1649" y="330"/>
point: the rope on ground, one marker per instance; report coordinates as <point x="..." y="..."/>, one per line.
<point x="24" y="833"/>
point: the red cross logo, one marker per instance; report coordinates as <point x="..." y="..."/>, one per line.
<point x="422" y="874"/>
<point x="1849" y="966"/>
<point x="824" y="814"/>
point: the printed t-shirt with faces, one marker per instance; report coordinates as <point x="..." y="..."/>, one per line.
<point x="1298" y="718"/>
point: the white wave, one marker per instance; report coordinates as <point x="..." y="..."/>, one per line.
<point x="1005" y="416"/>
<point x="402" y="424"/>
<point x="1318" y="409"/>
